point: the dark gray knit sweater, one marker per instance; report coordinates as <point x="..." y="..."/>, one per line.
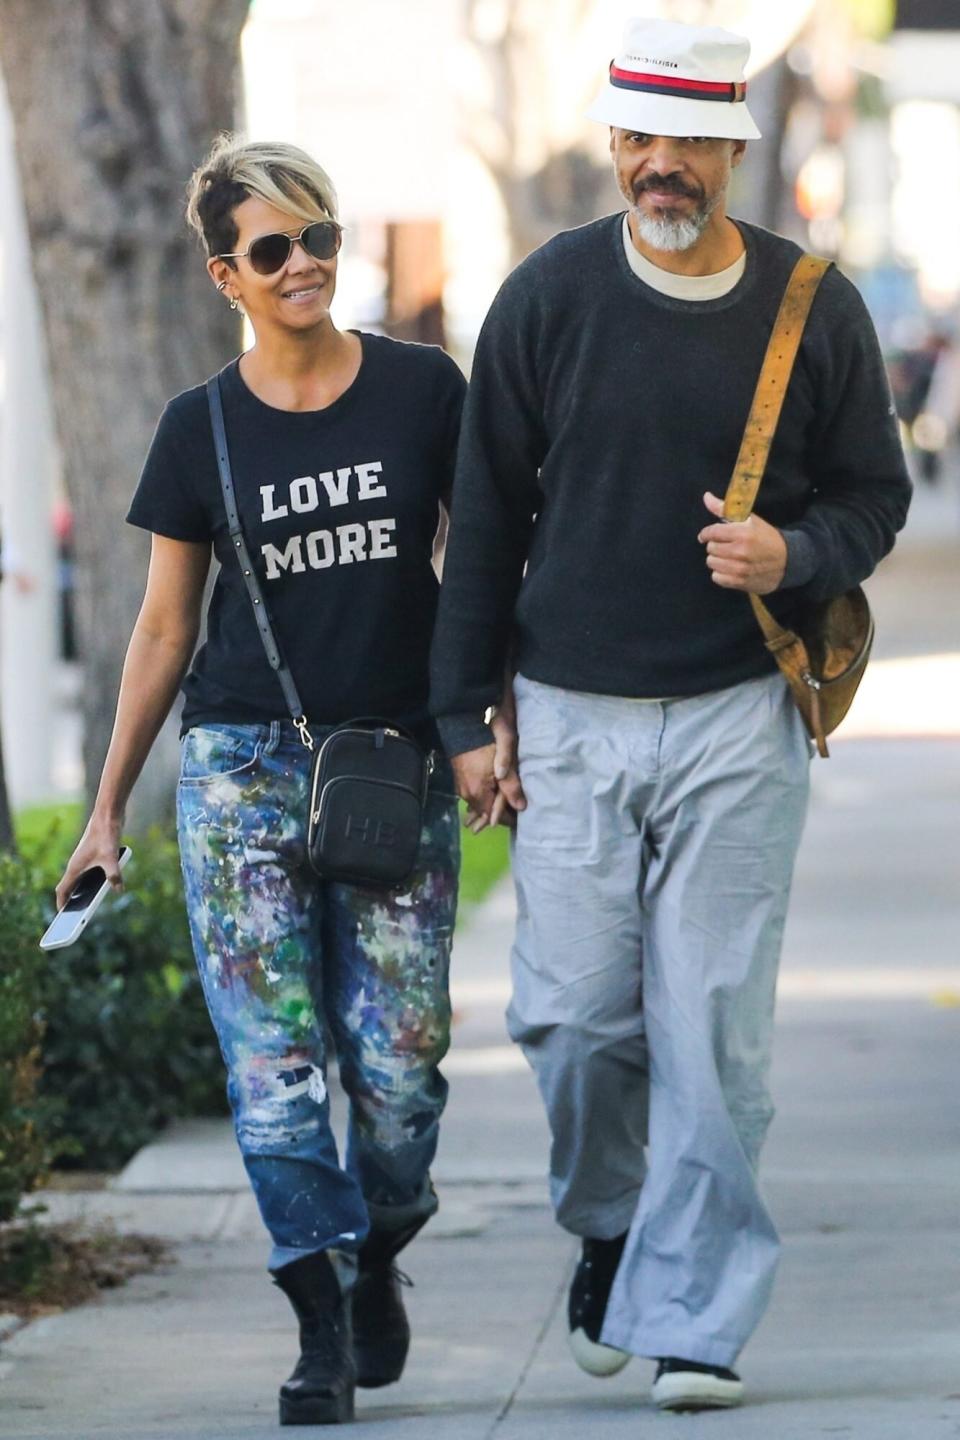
<point x="599" y="412"/>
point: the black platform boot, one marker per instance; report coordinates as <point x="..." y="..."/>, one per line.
<point x="320" y="1390"/>
<point x="381" y="1330"/>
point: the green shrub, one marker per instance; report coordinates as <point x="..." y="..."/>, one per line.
<point x="128" y="1044"/>
<point x="26" y="1120"/>
<point x="26" y="1253"/>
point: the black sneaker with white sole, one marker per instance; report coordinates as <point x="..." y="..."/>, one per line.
<point x="587" y="1306"/>
<point x="687" y="1385"/>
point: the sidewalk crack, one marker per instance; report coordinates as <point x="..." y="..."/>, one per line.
<point x="534" y="1352"/>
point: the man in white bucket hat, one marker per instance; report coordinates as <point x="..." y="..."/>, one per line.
<point x="662" y="765"/>
<point x="668" y="73"/>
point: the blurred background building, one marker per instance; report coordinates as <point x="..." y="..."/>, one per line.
<point x="454" y="132"/>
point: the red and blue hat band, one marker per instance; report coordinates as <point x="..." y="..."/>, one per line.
<point x="730" y="92"/>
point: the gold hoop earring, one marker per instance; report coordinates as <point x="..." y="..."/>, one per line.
<point x="221" y="287"/>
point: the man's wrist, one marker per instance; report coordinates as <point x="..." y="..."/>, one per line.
<point x="801" y="564"/>
<point x="460" y="733"/>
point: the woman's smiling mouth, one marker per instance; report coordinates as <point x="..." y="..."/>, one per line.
<point x="307" y="292"/>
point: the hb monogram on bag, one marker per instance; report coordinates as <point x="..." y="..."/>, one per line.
<point x="367" y="793"/>
<point x="370" y="831"/>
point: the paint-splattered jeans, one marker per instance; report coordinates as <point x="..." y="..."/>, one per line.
<point x="287" y="959"/>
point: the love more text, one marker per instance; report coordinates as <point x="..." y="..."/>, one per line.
<point x="341" y="545"/>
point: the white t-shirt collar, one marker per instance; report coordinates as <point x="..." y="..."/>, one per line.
<point x="681" y="287"/>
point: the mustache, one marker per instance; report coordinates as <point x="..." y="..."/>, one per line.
<point x="668" y="185"/>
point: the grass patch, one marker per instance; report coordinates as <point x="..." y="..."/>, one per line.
<point x="41" y="827"/>
<point x="485" y="858"/>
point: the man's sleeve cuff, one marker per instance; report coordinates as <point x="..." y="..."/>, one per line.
<point x="463" y="732"/>
<point x="801" y="559"/>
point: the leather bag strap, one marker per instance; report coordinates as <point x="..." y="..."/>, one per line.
<point x="771" y="390"/>
<point x="786" y="646"/>
<point x="259" y="604"/>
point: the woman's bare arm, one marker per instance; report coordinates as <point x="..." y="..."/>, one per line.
<point x="159" y="652"/>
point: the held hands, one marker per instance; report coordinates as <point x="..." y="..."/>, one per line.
<point x="510" y="798"/>
<point x="487" y="778"/>
<point x="98" y="845"/>
<point x="749" y="555"/>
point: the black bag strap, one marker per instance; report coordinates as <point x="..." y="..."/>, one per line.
<point x="260" y="612"/>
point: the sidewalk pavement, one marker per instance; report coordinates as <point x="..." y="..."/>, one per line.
<point x="862" y="1171"/>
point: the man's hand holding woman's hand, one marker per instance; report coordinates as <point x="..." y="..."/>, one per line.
<point x="510" y="797"/>
<point x="487" y="778"/>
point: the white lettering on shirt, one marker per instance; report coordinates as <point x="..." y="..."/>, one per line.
<point x="303" y="494"/>
<point x="346" y="544"/>
<point x="289" y="559"/>
<point x="316" y="540"/>
<point x="381" y="532"/>
<point x="271" y="511"/>
<point x="337" y="493"/>
<point x="353" y="543"/>
<point x="368" y="487"/>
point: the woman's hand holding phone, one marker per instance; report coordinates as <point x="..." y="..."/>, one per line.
<point x="98" y="845"/>
<point x="82" y="891"/>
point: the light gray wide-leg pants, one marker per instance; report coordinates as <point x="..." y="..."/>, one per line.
<point x="653" y="867"/>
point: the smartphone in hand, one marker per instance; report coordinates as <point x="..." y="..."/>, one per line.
<point x="69" y="923"/>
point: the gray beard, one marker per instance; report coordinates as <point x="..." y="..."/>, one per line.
<point x="661" y="233"/>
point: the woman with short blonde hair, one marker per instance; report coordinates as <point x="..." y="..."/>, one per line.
<point x="341" y="446"/>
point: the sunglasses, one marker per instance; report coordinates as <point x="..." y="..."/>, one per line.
<point x="269" y="253"/>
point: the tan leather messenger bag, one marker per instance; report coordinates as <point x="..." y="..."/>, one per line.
<point x="823" y="660"/>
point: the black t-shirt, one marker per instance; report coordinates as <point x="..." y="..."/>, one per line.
<point x="339" y="508"/>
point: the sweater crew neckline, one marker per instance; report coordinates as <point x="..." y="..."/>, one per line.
<point x="656" y="296"/>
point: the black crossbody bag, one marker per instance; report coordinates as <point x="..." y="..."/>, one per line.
<point x="369" y="777"/>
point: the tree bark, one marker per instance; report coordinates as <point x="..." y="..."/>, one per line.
<point x="7" y="842"/>
<point x="114" y="103"/>
<point x="569" y="188"/>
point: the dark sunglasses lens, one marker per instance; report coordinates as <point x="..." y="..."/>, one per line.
<point x="322" y="240"/>
<point x="269" y="253"/>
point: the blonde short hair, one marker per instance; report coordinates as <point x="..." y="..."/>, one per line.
<point x="236" y="169"/>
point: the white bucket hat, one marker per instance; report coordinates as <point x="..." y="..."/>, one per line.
<point x="673" y="79"/>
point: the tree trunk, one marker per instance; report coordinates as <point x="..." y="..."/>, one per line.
<point x="6" y="819"/>
<point x="571" y="189"/>
<point x="114" y="102"/>
<point x="568" y="188"/>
